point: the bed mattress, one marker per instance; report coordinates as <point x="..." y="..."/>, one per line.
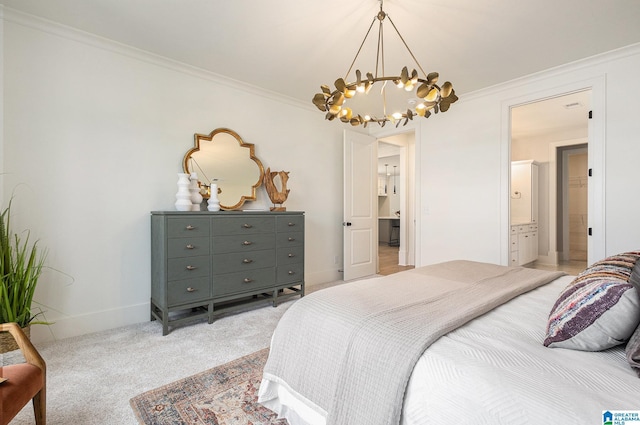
<point x="495" y="370"/>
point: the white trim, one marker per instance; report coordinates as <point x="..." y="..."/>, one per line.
<point x="93" y="40"/>
<point x="544" y="76"/>
<point x="553" y="255"/>
<point x="596" y="84"/>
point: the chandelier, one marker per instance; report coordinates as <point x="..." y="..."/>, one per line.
<point x="429" y="96"/>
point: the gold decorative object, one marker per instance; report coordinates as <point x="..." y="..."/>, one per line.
<point x="430" y="96"/>
<point x="277" y="196"/>
<point x="222" y="158"/>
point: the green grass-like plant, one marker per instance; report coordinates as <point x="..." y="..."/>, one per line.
<point x="21" y="264"/>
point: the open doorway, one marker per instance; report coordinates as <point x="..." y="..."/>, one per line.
<point x="395" y="197"/>
<point x="553" y="134"/>
<point x="573" y="204"/>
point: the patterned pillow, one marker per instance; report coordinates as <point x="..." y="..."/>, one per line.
<point x="633" y="346"/>
<point x="633" y="351"/>
<point x="599" y="309"/>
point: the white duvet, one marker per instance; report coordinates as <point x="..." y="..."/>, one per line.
<point x="495" y="370"/>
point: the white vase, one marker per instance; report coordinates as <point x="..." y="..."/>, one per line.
<point x="213" y="204"/>
<point x="194" y="190"/>
<point x="183" y="196"/>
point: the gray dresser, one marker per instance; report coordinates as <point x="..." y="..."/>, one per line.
<point x="204" y="263"/>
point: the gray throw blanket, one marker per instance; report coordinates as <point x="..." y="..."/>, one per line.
<point x="350" y="350"/>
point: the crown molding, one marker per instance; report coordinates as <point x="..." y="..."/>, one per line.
<point x="59" y="30"/>
<point x="570" y="67"/>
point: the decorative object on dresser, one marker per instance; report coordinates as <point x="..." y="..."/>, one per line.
<point x="194" y="190"/>
<point x="183" y="196"/>
<point x="204" y="263"/>
<point x="213" y="204"/>
<point x="223" y="158"/>
<point x="277" y="196"/>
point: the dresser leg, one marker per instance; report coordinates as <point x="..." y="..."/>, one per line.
<point x="210" y="310"/>
<point x="165" y="323"/>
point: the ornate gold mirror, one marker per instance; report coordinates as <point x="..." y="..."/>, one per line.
<point x="223" y="158"/>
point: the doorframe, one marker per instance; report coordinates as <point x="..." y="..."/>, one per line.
<point x="554" y="255"/>
<point x="410" y="223"/>
<point x="596" y="157"/>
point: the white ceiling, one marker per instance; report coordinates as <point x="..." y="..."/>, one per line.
<point x="291" y="47"/>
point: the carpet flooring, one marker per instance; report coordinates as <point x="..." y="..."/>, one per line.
<point x="91" y="378"/>
<point x="224" y="395"/>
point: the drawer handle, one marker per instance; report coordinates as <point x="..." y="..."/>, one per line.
<point x="291" y="255"/>
<point x="247" y="243"/>
<point x="247" y="226"/>
<point x="291" y="224"/>
<point x="190" y="267"/>
<point x="291" y="239"/>
<point x="189" y="246"/>
<point x="190" y="289"/>
<point x="247" y="280"/>
<point x="190" y="227"/>
<point x="247" y="261"/>
<point x="291" y="272"/>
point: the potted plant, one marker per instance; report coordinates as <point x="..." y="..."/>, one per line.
<point x="21" y="264"/>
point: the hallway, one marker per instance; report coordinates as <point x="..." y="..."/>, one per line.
<point x="388" y="263"/>
<point x="388" y="260"/>
<point x="572" y="267"/>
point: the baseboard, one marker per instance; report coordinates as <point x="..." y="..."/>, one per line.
<point x="67" y="327"/>
<point x="402" y="258"/>
<point x="551" y="259"/>
<point x="322" y="277"/>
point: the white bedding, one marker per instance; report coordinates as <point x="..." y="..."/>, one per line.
<point x="495" y="370"/>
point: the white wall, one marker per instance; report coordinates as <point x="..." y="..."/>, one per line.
<point x="464" y="160"/>
<point x="94" y="134"/>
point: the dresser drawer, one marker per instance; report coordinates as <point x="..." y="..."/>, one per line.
<point x="188" y="290"/>
<point x="185" y="227"/>
<point x="205" y="263"/>
<point x="284" y="240"/>
<point x="514" y="242"/>
<point x="245" y="281"/>
<point x="243" y="225"/>
<point x="290" y="255"/>
<point x="243" y="243"/>
<point x="290" y="273"/>
<point x="188" y="267"/>
<point x="290" y="223"/>
<point x="237" y="261"/>
<point x="187" y="247"/>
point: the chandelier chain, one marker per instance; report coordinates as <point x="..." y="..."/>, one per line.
<point x="407" y="46"/>
<point x="360" y="49"/>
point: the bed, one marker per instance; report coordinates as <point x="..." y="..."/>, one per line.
<point x="483" y="362"/>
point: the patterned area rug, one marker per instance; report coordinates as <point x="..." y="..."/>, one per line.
<point x="224" y="395"/>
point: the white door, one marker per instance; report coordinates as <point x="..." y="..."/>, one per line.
<point x="360" y="205"/>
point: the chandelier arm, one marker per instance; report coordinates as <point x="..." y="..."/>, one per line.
<point x="360" y="49"/>
<point x="407" y="46"/>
